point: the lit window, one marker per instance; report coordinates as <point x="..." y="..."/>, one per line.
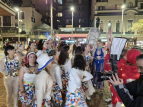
<point x="79" y="26"/>
<point x="46" y="13"/>
<point x="69" y="26"/>
<point x="60" y="14"/>
<point x="58" y="20"/>
<point x="79" y="20"/>
<point x="46" y="1"/>
<point x="23" y="27"/>
<point x="22" y="15"/>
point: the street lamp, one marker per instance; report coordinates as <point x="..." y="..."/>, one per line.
<point x="72" y="9"/>
<point x="18" y="23"/>
<point x="123" y="7"/>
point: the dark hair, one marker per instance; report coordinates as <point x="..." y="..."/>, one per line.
<point x="52" y="53"/>
<point x="9" y="47"/>
<point x="139" y="57"/>
<point x="124" y="52"/>
<point x="63" y="55"/>
<point x="83" y="47"/>
<point x="78" y="50"/>
<point x="74" y="46"/>
<point x="79" y="62"/>
<point x="108" y="50"/>
<point x="29" y="45"/>
<point x="61" y="45"/>
<point x="99" y="40"/>
<point x="40" y="44"/>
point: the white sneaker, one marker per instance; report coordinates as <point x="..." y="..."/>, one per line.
<point x="108" y="100"/>
<point x="88" y="98"/>
<point x="110" y="105"/>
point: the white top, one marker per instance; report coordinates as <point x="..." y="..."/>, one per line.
<point x="5" y="68"/>
<point x="28" y="77"/>
<point x="67" y="66"/>
<point x="56" y="73"/>
<point x="39" y="53"/>
<point x="43" y="86"/>
<point x="76" y="78"/>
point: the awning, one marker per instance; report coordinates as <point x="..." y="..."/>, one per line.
<point x="5" y="10"/>
<point x="70" y="35"/>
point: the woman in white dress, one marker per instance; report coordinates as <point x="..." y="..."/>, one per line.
<point x="65" y="65"/>
<point x="56" y="73"/>
<point x="88" y="60"/>
<point x="10" y="66"/>
<point x="26" y="80"/>
<point x="42" y="47"/>
<point x="43" y="82"/>
<point x="75" y="94"/>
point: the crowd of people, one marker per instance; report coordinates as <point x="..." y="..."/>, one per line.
<point x="46" y="76"/>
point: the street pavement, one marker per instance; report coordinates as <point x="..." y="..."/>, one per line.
<point x="97" y="99"/>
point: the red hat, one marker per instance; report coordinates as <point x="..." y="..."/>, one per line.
<point x="132" y="55"/>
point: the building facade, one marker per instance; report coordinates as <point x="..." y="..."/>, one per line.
<point x="44" y="8"/>
<point x="110" y="14"/>
<point x="29" y="18"/>
<point x="81" y="16"/>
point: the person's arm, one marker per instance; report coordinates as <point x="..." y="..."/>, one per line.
<point x="127" y="99"/>
<point x="3" y="66"/>
<point x="104" y="52"/>
<point x="87" y="76"/>
<point x="124" y="94"/>
<point x="19" y="65"/>
<point x="21" y="76"/>
<point x="108" y="42"/>
<point x="58" y="76"/>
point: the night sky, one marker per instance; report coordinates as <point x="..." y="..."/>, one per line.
<point x="17" y="2"/>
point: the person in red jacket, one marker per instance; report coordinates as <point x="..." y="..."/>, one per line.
<point x="116" y="101"/>
<point x="128" y="71"/>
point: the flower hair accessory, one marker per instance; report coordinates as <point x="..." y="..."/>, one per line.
<point x="30" y="53"/>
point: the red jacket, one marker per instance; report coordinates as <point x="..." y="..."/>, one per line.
<point x="107" y="64"/>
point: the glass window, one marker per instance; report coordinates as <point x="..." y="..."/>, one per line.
<point x="130" y="22"/>
<point x="32" y="13"/>
<point x="16" y="24"/>
<point x="118" y="26"/>
<point x="60" y="8"/>
<point x="58" y="20"/>
<point x="69" y="21"/>
<point x="109" y="25"/>
<point x="69" y="26"/>
<point x="23" y="27"/>
<point x="101" y="26"/>
<point x="130" y="5"/>
<point x="60" y="14"/>
<point x="79" y="26"/>
<point x="118" y="6"/>
<point x="60" y="1"/>
<point x="101" y="8"/>
<point x="22" y="15"/>
<point x="16" y="16"/>
<point x="59" y="25"/>
<point x="141" y="5"/>
<point x="46" y="13"/>
<point x="79" y="20"/>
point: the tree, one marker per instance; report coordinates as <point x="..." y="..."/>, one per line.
<point x="138" y="27"/>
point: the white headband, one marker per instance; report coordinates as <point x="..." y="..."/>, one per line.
<point x="30" y="53"/>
